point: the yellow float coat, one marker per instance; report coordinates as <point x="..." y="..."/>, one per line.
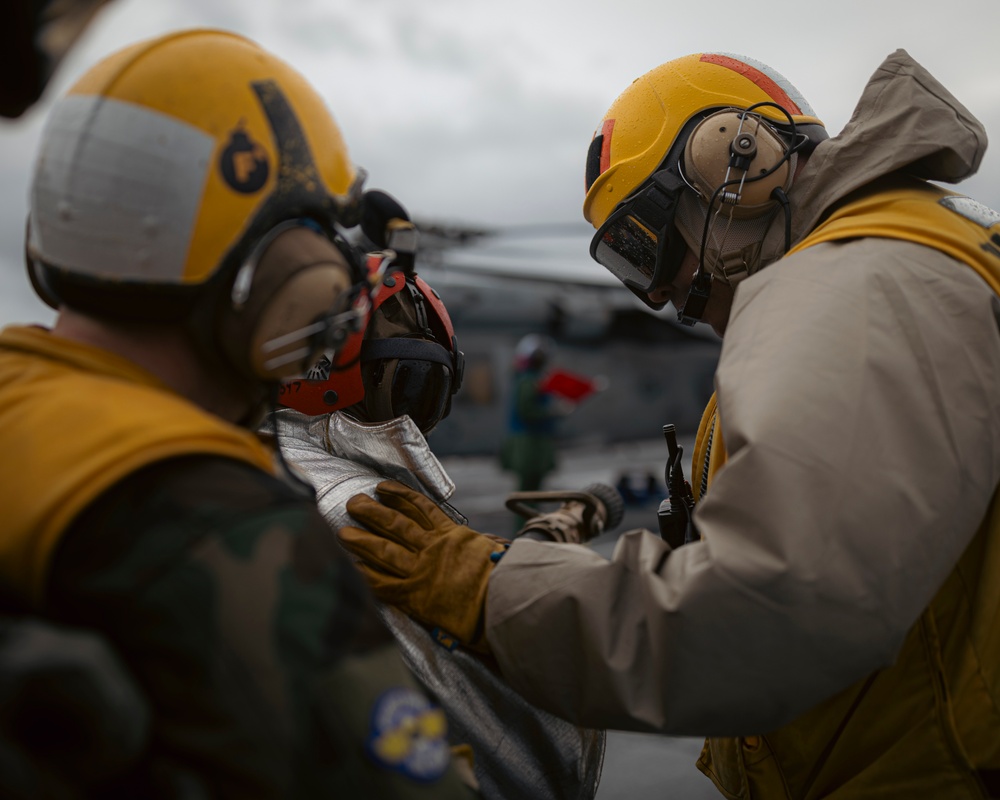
<point x="923" y="727"/>
<point x="121" y="419"/>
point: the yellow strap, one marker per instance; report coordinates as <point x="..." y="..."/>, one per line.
<point x="75" y="421"/>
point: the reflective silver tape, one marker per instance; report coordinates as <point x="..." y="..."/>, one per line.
<point x="117" y="190"/>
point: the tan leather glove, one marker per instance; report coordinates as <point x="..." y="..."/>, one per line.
<point x="419" y="560"/>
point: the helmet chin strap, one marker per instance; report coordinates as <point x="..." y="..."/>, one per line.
<point x="697" y="298"/>
<point x="701" y="284"/>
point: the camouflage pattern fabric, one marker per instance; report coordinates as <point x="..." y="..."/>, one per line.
<point x="264" y="664"/>
<point x="71" y="717"/>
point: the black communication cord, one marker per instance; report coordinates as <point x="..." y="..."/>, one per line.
<point x="701" y="280"/>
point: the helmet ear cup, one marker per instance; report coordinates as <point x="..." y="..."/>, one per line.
<point x="738" y="149"/>
<point x="300" y="276"/>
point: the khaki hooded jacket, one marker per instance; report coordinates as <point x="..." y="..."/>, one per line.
<point x="859" y="400"/>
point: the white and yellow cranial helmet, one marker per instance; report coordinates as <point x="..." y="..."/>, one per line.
<point x="167" y="163"/>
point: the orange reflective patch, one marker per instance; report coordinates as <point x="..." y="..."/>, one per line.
<point x="606" y="129"/>
<point x="766" y="84"/>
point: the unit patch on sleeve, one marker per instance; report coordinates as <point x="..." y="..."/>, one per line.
<point x="409" y="735"/>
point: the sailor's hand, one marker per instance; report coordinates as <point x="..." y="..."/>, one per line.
<point x="418" y="559"/>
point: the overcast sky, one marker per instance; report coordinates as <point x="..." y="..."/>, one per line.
<point x="481" y="112"/>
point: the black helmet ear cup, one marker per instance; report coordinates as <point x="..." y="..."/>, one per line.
<point x="296" y="277"/>
<point x="741" y="150"/>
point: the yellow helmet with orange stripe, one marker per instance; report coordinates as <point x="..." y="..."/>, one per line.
<point x="647" y="119"/>
<point x="639" y="164"/>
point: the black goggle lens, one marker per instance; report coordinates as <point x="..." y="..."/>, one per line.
<point x="421" y="390"/>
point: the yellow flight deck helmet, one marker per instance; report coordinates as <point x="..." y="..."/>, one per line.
<point x="654" y="147"/>
<point x="181" y="175"/>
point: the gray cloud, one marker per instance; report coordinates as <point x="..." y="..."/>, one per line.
<point x="482" y="112"/>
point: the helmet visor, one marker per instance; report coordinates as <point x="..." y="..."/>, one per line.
<point x="633" y="244"/>
<point x="413" y="377"/>
<point x="421" y="390"/>
<point x="627" y="249"/>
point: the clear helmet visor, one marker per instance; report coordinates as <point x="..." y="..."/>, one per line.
<point x="634" y="243"/>
<point x="627" y="249"/>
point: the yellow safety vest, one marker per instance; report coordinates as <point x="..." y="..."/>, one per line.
<point x="928" y="726"/>
<point x="74" y="421"/>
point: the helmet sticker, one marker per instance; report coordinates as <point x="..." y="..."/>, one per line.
<point x="243" y="163"/>
<point x="770" y="82"/>
<point x="599" y="155"/>
<point x="606" y="130"/>
<point x="92" y="204"/>
<point x="408" y="735"/>
<point x="320" y="371"/>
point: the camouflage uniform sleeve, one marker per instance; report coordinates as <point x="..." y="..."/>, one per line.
<point x="265" y="666"/>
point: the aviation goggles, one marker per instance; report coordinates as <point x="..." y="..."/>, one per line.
<point x="633" y="244"/>
<point x="422" y="381"/>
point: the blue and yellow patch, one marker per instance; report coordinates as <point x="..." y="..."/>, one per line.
<point x="445" y="639"/>
<point x="409" y="735"/>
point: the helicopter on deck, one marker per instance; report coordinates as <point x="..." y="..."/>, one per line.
<point x="501" y="284"/>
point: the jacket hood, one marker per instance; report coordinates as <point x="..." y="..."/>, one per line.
<point x="906" y="122"/>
